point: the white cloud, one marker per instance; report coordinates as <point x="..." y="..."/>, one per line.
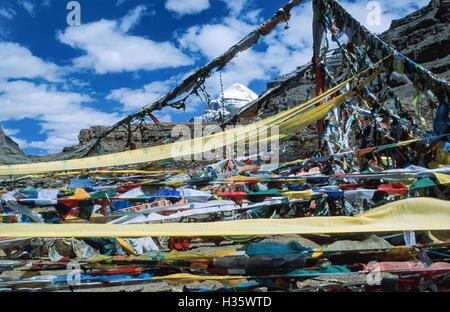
<point x="253" y="16"/>
<point x="79" y="83"/>
<point x="187" y="7"/>
<point x="11" y="132"/>
<point x="132" y="100"/>
<point x="212" y="40"/>
<point x="28" y="6"/>
<point x="61" y="115"/>
<point x="108" y="48"/>
<point x="22" y="143"/>
<point x="235" y="6"/>
<point x="7" y="13"/>
<point x="19" y="62"/>
<point x="132" y="18"/>
<point x="120" y="2"/>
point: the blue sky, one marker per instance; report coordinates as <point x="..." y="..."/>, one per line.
<point x="57" y="79"/>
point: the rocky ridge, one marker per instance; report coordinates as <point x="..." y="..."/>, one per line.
<point x="10" y="152"/>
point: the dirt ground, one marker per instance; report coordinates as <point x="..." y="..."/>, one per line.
<point x="196" y="246"/>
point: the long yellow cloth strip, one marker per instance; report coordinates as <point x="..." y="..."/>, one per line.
<point x="414" y="214"/>
<point x="442" y="177"/>
<point x="144" y="172"/>
<point x="288" y="122"/>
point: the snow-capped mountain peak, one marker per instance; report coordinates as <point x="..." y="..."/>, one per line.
<point x="234" y="97"/>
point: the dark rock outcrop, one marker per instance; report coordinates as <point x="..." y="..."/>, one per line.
<point x="424" y="36"/>
<point x="10" y="152"/>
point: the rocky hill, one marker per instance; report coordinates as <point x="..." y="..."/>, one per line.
<point x="10" y="152"/>
<point x="424" y="36"/>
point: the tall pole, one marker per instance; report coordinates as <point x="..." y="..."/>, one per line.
<point x="320" y="88"/>
<point x="318" y="57"/>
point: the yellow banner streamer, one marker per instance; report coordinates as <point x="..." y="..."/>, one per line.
<point x="414" y="214"/>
